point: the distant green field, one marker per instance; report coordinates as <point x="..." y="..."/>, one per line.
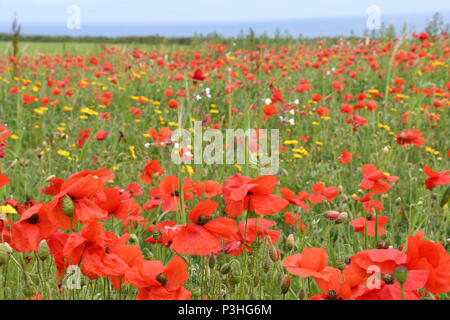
<point x="52" y="48"/>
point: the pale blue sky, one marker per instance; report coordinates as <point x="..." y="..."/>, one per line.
<point x="171" y="11"/>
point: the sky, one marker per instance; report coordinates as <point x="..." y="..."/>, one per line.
<point x="185" y="11"/>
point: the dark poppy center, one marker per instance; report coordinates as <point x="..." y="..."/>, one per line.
<point x="107" y="250"/>
<point x="388" y="278"/>
<point x="175" y="193"/>
<point x="161" y="278"/>
<point x="34" y="219"/>
<point x="332" y="295"/>
<point x="202" y="220"/>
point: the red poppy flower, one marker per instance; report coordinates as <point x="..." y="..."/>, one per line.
<point x="94" y="249"/>
<point x="202" y="236"/>
<point x="80" y="187"/>
<point x="373" y="179"/>
<point x="322" y="193"/>
<point x="292" y="220"/>
<point x="370" y="206"/>
<point x="433" y="257"/>
<point x="240" y="191"/>
<point x="156" y="282"/>
<point x="310" y="263"/>
<point x="151" y="168"/>
<point x="332" y="286"/>
<point x="345" y="157"/>
<point x="207" y="189"/>
<point x="298" y="200"/>
<point x="198" y="75"/>
<point x="161" y="137"/>
<point x="4" y="180"/>
<point x="101" y="135"/>
<point x="359" y="225"/>
<point x="410" y="136"/>
<point x="269" y="111"/>
<point x="83" y="135"/>
<point x="436" y="178"/>
<point x="33" y="226"/>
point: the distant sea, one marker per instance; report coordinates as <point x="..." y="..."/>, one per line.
<point x="307" y="28"/>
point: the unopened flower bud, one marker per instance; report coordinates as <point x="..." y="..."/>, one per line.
<point x="226" y="268"/>
<point x="212" y="261"/>
<point x="67" y="206"/>
<point x="267" y="265"/>
<point x="341" y="218"/>
<point x="301" y="294"/>
<point x="290" y="242"/>
<point x="401" y="274"/>
<point x="235" y="279"/>
<point x="4" y="254"/>
<point x="285" y="284"/>
<point x="43" y="250"/>
<point x="273" y="254"/>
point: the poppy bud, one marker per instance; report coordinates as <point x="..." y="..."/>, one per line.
<point x="301" y="294"/>
<point x="341" y="218"/>
<point x="67" y="206"/>
<point x="401" y="274"/>
<point x="235" y="279"/>
<point x="267" y="265"/>
<point x="285" y="284"/>
<point x="4" y="254"/>
<point x="332" y="215"/>
<point x="290" y="242"/>
<point x="133" y="240"/>
<point x="226" y="268"/>
<point x="255" y="280"/>
<point x="43" y="250"/>
<point x="212" y="261"/>
<point x="398" y="201"/>
<point x="273" y="254"/>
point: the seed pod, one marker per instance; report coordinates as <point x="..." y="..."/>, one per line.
<point x="267" y="265"/>
<point x="290" y="242"/>
<point x="225" y="269"/>
<point x="67" y="206"/>
<point x="273" y="254"/>
<point x="285" y="284"/>
<point x="401" y="274"/>
<point x="43" y="250"/>
<point x="212" y="261"/>
<point x="340" y="264"/>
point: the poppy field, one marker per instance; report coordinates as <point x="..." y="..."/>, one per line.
<point x="100" y="201"/>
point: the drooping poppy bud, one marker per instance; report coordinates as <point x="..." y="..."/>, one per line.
<point x="226" y="268"/>
<point x="133" y="240"/>
<point x="67" y="206"/>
